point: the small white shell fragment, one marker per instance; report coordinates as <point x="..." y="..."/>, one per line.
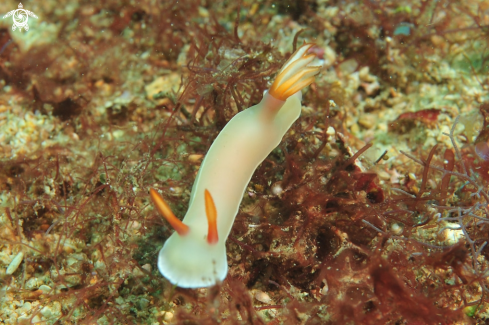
<point x="137" y="272"/>
<point x="277" y="188"/>
<point x="195" y="157"/>
<point x="28" y="319"/>
<point x="330" y="131"/>
<point x="33" y="283"/>
<point x="451" y="236"/>
<point x="14" y="265"/>
<point x="168" y="316"/>
<point x="44" y="288"/>
<point x="52" y="311"/>
<point x="396" y="228"/>
<point x="367" y="121"/>
<point x="262" y="297"/>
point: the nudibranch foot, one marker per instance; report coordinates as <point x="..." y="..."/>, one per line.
<point x="295" y="74"/>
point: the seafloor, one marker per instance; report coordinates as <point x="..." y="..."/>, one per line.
<point x="372" y="210"/>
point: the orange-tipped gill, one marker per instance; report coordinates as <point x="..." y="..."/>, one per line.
<point x="164" y="209"/>
<point x="295" y="74"/>
<point x="211" y="212"/>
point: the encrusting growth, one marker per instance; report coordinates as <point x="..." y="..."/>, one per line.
<point x="195" y="255"/>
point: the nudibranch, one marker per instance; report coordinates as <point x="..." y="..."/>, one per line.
<point x="195" y="255"/>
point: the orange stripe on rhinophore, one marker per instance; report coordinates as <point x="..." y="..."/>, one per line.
<point x="165" y="211"/>
<point x="211" y="212"/>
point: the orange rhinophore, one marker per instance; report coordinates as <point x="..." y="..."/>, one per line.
<point x="210" y="211"/>
<point x="164" y="209"/>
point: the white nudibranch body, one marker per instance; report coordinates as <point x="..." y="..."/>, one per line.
<point x="195" y="255"/>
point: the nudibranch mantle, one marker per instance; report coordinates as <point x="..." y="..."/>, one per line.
<point x="189" y="259"/>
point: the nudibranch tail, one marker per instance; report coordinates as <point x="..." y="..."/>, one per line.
<point x="211" y="212"/>
<point x="295" y="74"/>
<point x="164" y="209"/>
